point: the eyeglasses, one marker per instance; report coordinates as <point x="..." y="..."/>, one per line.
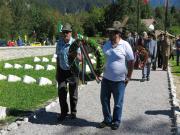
<point x="113" y="32"/>
<point x="66" y="32"/>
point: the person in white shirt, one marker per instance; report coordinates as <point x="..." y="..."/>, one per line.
<point x="117" y="73"/>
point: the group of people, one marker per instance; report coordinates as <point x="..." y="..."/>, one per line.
<point x="158" y="50"/>
<point x="120" y="56"/>
<point x="118" y="53"/>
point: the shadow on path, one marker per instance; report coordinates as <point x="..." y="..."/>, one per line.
<point x="169" y="113"/>
<point x="160" y="112"/>
<point x="133" y="79"/>
<point x="19" y="113"/>
<point x="50" y="118"/>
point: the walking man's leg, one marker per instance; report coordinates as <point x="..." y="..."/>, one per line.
<point x="73" y="92"/>
<point x="118" y="94"/>
<point x="62" y="93"/>
<point x="105" y="101"/>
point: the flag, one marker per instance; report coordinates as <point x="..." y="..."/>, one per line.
<point x="59" y="26"/>
<point x="146" y="1"/>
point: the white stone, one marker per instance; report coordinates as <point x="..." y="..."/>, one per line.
<point x="8" y="65"/>
<point x="44" y="81"/>
<point x="3" y="112"/>
<point x="13" y="78"/>
<point x="28" y="79"/>
<point x="44" y="59"/>
<point x="3" y="132"/>
<point x="12" y="126"/>
<point x="53" y="60"/>
<point x="27" y="66"/>
<point x="87" y="69"/>
<point x="3" y="77"/>
<point x="26" y="119"/>
<point x="93" y="61"/>
<point x="50" y="67"/>
<point x="57" y="100"/>
<point x="90" y="55"/>
<point x="178" y="116"/>
<point x="39" y="67"/>
<point x="175" y="103"/>
<point x="18" y="66"/>
<point x="37" y="59"/>
<point x="54" y="55"/>
<point x="47" y="108"/>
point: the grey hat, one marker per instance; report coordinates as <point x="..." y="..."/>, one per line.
<point x="67" y="27"/>
<point x="117" y="26"/>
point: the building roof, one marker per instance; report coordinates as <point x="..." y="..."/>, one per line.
<point x="148" y="22"/>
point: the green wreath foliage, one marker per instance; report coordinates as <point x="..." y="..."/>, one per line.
<point x="93" y="47"/>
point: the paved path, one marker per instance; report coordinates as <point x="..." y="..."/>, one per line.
<point x="147" y="110"/>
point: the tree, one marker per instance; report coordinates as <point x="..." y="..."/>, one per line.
<point x="159" y="12"/>
<point x="19" y="10"/>
<point x="5" y="22"/>
<point x="94" y="21"/>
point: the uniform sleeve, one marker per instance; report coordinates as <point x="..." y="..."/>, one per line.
<point x="155" y="49"/>
<point x="129" y="52"/>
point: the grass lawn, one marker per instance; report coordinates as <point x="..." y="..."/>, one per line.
<point x="175" y="69"/>
<point x="26" y="97"/>
<point x="176" y="75"/>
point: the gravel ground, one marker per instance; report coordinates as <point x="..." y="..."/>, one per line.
<point x="146" y="110"/>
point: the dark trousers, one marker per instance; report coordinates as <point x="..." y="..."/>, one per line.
<point x="177" y="57"/>
<point x="160" y="60"/>
<point x="165" y="62"/>
<point x="171" y="56"/>
<point x="64" y="77"/>
<point x="154" y="63"/>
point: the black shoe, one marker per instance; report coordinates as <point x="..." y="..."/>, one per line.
<point x="143" y="79"/>
<point x="104" y="124"/>
<point x="61" y="117"/>
<point x="148" y="79"/>
<point x="114" y="126"/>
<point x="73" y="116"/>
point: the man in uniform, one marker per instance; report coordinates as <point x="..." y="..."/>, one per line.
<point x="165" y="51"/>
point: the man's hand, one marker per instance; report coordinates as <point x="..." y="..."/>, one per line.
<point x="73" y="54"/>
<point x="126" y="81"/>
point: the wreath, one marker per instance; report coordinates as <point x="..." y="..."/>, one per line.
<point x="92" y="47"/>
<point x="143" y="56"/>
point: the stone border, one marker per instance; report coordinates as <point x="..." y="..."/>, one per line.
<point x="175" y="102"/>
<point x="19" y="122"/>
<point x="3" y="112"/>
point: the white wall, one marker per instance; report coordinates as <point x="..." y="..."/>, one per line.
<point x="7" y="53"/>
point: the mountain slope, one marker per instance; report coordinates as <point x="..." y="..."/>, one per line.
<point x="74" y="5"/>
<point x="155" y="3"/>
